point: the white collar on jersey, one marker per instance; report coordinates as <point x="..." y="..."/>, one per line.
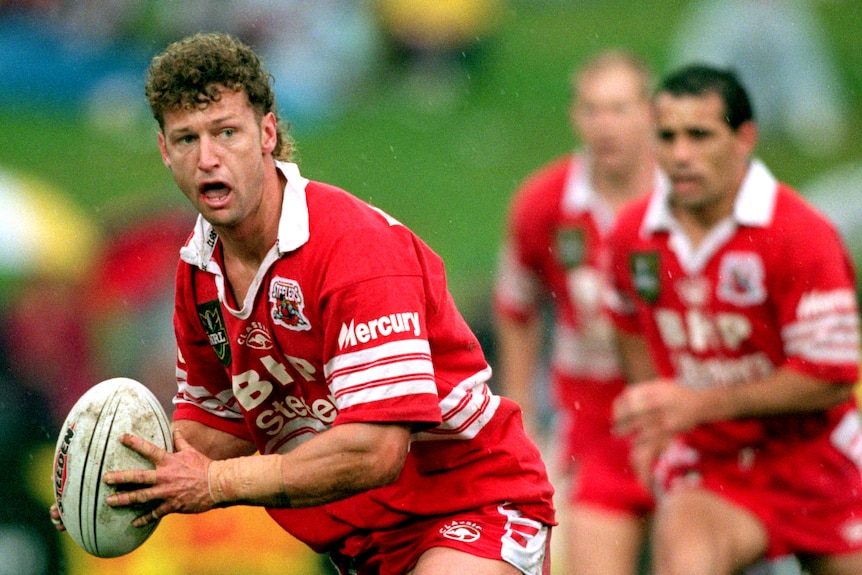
<point x="579" y="195"/>
<point x="754" y="204"/>
<point x="293" y="228"/>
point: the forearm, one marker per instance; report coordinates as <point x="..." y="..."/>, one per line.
<point x="336" y="464"/>
<point x="517" y="348"/>
<point x="635" y="358"/>
<point x="211" y="442"/>
<point x="783" y="391"/>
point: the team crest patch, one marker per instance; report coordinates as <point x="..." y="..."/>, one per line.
<point x="212" y="321"/>
<point x="741" y="279"/>
<point x="644" y="269"/>
<point x="287" y="304"/>
<point x="571" y="247"/>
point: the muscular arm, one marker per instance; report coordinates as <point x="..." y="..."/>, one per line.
<point x="340" y="462"/>
<point x="345" y="460"/>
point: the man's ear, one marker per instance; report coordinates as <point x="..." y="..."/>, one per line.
<point x="268" y="133"/>
<point x="746" y="135"/>
<point x="163" y="149"/>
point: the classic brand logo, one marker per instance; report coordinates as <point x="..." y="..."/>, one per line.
<point x="383" y="326"/>
<point x="61" y="466"/>
<point x="255" y="336"/>
<point x="212" y="321"/>
<point x="287" y="304"/>
<point x="463" y="531"/>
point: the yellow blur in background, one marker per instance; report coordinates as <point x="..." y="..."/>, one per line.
<point x="236" y="540"/>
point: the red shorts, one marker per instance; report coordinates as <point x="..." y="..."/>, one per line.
<point x="597" y="459"/>
<point x="808" y="496"/>
<point x="495" y="532"/>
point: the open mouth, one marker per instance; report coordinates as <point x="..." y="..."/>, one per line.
<point x="214" y="191"/>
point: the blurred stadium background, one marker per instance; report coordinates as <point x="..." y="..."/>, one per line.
<point x="432" y="110"/>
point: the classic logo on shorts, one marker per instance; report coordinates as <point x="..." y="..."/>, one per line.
<point x="463" y="531"/>
<point x="644" y="270"/>
<point x="287" y="304"/>
<point x="741" y="279"/>
<point x="213" y="324"/>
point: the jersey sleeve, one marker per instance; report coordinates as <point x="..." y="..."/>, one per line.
<point x="518" y="287"/>
<point x="204" y="391"/>
<point x="383" y="286"/>
<point x="818" y="312"/>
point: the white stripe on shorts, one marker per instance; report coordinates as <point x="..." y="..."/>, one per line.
<point x="525" y="542"/>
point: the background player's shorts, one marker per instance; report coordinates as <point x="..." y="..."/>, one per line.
<point x="808" y="494"/>
<point x="596" y="458"/>
<point x="495" y="532"/>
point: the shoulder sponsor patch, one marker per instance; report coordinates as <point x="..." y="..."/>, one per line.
<point x="288" y="304"/>
<point x="354" y="333"/>
<point x="212" y="321"/>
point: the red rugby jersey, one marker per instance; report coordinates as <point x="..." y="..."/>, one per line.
<point x="770" y="286"/>
<point x="349" y="320"/>
<point x="555" y="249"/>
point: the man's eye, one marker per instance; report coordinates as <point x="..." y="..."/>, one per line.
<point x="228" y="132"/>
<point x="665" y="135"/>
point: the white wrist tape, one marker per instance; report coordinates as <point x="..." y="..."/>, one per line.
<point x="253" y="479"/>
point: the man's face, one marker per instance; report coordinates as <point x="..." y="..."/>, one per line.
<point x="613" y="117"/>
<point x="703" y="157"/>
<point x="216" y="154"/>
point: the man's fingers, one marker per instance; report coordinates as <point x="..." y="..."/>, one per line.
<point x="180" y="442"/>
<point x="135" y="497"/>
<point x="150" y="517"/>
<point x="152" y="452"/>
<point x="55" y="518"/>
<point x="136" y="476"/>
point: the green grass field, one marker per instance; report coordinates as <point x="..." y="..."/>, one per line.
<point x="445" y="170"/>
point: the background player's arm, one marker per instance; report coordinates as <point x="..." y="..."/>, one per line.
<point x="518" y="346"/>
<point x="662" y="407"/>
<point x="634" y="356"/>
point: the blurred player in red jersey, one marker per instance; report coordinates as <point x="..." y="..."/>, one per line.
<point x="318" y="331"/>
<point x="554" y="250"/>
<point x="744" y="297"/>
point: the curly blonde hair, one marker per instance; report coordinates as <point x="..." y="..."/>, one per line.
<point x="190" y="72"/>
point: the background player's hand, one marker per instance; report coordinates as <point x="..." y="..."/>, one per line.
<point x="179" y="480"/>
<point x="655" y="410"/>
<point x="55" y="518"/>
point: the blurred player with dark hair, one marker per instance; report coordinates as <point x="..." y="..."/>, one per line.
<point x="745" y="298"/>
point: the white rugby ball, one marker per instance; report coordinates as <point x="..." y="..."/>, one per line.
<point x="88" y="447"/>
